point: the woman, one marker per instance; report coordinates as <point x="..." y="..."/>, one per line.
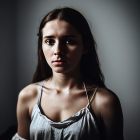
<point x="68" y="99"/>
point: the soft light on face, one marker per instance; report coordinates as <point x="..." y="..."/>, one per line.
<point x="62" y="46"/>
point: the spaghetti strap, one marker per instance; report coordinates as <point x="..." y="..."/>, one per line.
<point x="93" y="95"/>
<point x="86" y="93"/>
<point x="90" y="100"/>
<point x="39" y="99"/>
<point x="40" y="95"/>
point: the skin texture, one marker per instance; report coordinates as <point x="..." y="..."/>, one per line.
<point x="64" y="93"/>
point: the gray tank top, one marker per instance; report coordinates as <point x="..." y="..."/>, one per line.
<point x="80" y="126"/>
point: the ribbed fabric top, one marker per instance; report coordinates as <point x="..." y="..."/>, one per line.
<point x="80" y="126"/>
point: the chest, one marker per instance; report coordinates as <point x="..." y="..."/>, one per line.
<point x="59" y="107"/>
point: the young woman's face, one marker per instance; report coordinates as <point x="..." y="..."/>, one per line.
<point x="62" y="46"/>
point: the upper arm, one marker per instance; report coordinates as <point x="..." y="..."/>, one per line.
<point x="26" y="99"/>
<point x="111" y="115"/>
<point x="23" y="116"/>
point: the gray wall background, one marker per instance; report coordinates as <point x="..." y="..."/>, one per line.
<point x="115" y="26"/>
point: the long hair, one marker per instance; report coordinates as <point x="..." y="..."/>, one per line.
<point x="89" y="64"/>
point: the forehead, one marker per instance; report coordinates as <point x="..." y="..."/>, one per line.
<point x="59" y="28"/>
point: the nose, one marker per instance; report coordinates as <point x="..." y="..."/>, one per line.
<point x="58" y="49"/>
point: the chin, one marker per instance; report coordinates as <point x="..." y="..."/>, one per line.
<point x="63" y="70"/>
<point x="59" y="70"/>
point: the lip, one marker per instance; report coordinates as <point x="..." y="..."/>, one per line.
<point x="59" y="62"/>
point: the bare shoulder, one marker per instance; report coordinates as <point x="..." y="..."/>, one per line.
<point x="28" y="93"/>
<point x="28" y="96"/>
<point x="105" y="97"/>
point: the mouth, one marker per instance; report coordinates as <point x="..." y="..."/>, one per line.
<point x="58" y="62"/>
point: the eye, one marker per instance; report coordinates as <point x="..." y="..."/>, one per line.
<point x="50" y="41"/>
<point x="70" y="41"/>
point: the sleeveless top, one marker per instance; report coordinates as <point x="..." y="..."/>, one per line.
<point x="80" y="126"/>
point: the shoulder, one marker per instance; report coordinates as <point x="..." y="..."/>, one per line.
<point x="105" y="101"/>
<point x="105" y="97"/>
<point x="28" y="96"/>
<point x="27" y="93"/>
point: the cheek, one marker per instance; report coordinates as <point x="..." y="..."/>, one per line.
<point x="77" y="52"/>
<point x="75" y="55"/>
<point x="47" y="54"/>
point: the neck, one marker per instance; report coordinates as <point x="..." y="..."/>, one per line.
<point x="67" y="81"/>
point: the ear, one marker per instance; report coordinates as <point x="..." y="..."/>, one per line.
<point x="86" y="47"/>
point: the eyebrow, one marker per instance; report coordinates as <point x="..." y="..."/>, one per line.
<point x="65" y="36"/>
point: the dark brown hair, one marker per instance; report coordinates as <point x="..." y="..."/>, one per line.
<point x="90" y="67"/>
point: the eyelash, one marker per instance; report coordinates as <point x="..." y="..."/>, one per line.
<point x="67" y="41"/>
<point x="72" y="42"/>
<point x="50" y="40"/>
